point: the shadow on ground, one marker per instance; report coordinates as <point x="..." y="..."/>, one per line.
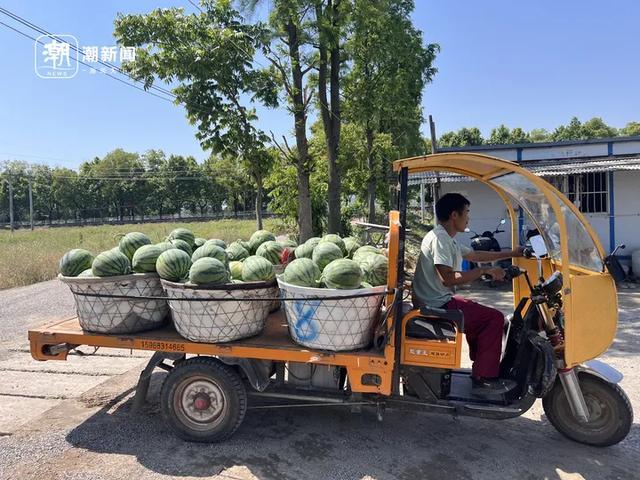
<point x="334" y="443"/>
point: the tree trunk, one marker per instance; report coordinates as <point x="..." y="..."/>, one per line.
<point x="258" y="179"/>
<point x="305" y="220"/>
<point x="329" y="48"/>
<point x="371" y="181"/>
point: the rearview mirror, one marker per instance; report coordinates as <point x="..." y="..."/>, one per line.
<point x="538" y="246"/>
<point x="503" y="221"/>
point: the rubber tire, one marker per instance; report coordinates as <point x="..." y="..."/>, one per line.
<point x="228" y="380"/>
<point x="557" y="409"/>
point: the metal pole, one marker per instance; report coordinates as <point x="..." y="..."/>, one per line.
<point x="434" y="149"/>
<point x="30" y="202"/>
<point x="10" y="203"/>
<point x="422" y="201"/>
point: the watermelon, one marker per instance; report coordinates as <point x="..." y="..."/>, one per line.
<point x="86" y="273"/>
<point x="375" y="268"/>
<point x="131" y="242"/>
<point x="183" y="234"/>
<point x="287" y="242"/>
<point x="245" y="245"/>
<point x="173" y="265"/>
<point x="304" y="251"/>
<point x="235" y="280"/>
<point x="210" y="250"/>
<point x="270" y="250"/>
<point x="218" y="242"/>
<point x="257" y="269"/>
<point x="302" y="272"/>
<point x="181" y="245"/>
<point x="75" y="262"/>
<point x="208" y="271"/>
<point x="235" y="269"/>
<point x="366" y="285"/>
<point x="343" y="274"/>
<point x="144" y="260"/>
<point x="313" y="241"/>
<point x="333" y="238"/>
<point x="164" y="246"/>
<point x="236" y="251"/>
<point x="199" y="241"/>
<point x="363" y="252"/>
<point x="325" y="253"/>
<point x="351" y="244"/>
<point x="110" y="264"/>
<point x="258" y="238"/>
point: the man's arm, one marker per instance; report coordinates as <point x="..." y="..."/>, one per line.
<point x="450" y="277"/>
<point x="483" y="256"/>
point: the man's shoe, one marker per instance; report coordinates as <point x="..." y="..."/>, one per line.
<point x="491" y="386"/>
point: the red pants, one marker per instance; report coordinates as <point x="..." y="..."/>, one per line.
<point x="483" y="327"/>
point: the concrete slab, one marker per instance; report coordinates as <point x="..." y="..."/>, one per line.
<point x="75" y="364"/>
<point x="16" y="411"/>
<point x="45" y="385"/>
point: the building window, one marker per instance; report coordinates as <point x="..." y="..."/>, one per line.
<point x="588" y="191"/>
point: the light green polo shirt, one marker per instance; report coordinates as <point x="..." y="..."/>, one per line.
<point x="438" y="248"/>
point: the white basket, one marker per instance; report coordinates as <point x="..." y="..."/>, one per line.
<point x="331" y="324"/>
<point x="118" y="315"/>
<point x="215" y="321"/>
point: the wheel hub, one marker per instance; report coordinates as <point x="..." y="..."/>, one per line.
<point x="202" y="401"/>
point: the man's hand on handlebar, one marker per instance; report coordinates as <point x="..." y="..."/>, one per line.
<point x="496" y="273"/>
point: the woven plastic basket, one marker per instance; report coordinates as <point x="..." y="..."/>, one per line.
<point x="331" y="324"/>
<point x="102" y="314"/>
<point x="215" y="321"/>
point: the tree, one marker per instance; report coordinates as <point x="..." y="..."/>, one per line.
<point x="630" y="129"/>
<point x="208" y="58"/>
<point x="538" y="135"/>
<point x="383" y="88"/>
<point x="596" y="128"/>
<point x="500" y="135"/>
<point x="572" y="131"/>
<point x="518" y="135"/>
<point x="462" y="138"/>
<point x="232" y="179"/>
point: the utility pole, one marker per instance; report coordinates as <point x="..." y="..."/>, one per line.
<point x="10" y="203"/>
<point x="434" y="149"/>
<point x="30" y="202"/>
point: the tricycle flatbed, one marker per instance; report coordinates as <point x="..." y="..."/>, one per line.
<point x="273" y="343"/>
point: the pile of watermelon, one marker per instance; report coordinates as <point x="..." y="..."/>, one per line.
<point x="183" y="257"/>
<point x="337" y="263"/>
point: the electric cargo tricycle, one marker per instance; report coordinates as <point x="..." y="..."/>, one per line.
<point x="565" y="315"/>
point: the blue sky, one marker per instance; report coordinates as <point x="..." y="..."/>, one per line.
<point x="526" y="64"/>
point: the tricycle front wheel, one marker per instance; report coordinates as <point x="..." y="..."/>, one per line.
<point x="610" y="412"/>
<point x="203" y="400"/>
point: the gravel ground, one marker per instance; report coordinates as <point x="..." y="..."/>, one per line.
<point x="98" y="437"/>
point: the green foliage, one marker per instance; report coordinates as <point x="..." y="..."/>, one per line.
<point x="630" y="129"/>
<point x="462" y="138"/>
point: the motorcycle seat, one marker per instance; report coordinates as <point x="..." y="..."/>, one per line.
<point x="435" y="324"/>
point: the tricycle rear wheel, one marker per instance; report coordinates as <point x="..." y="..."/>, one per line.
<point x="610" y="412"/>
<point x="203" y="400"/>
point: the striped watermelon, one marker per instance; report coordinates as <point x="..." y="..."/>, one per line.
<point x="313" y="241"/>
<point x="86" y="273"/>
<point x="144" y="260"/>
<point x="183" y="234"/>
<point x="325" y="253"/>
<point x="218" y="242"/>
<point x="235" y="269"/>
<point x="258" y="238"/>
<point x="343" y="274"/>
<point x="173" y="265"/>
<point x="366" y="285"/>
<point x="304" y="251"/>
<point x="270" y="250"/>
<point x="257" y="269"/>
<point x="236" y="251"/>
<point x="208" y="271"/>
<point x="199" y="241"/>
<point x="164" y="246"/>
<point x="351" y="244"/>
<point x="302" y="272"/>
<point x="181" y="245"/>
<point x="333" y="238"/>
<point x="111" y="263"/>
<point x="363" y="252"/>
<point x="131" y="242"/>
<point x="75" y="262"/>
<point x="287" y="242"/>
<point x="375" y="268"/>
<point x="245" y="245"/>
<point x="210" y="250"/>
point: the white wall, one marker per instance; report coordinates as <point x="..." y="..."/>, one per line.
<point x="626" y="148"/>
<point x="627" y="210"/>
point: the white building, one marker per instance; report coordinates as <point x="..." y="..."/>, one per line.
<point x="602" y="178"/>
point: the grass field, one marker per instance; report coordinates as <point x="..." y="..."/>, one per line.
<point x="28" y="257"/>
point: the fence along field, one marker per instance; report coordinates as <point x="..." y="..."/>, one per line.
<point x="28" y="257"/>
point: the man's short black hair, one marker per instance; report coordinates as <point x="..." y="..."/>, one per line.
<point x="449" y="203"/>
